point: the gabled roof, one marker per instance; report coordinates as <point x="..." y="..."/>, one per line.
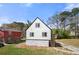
<point x="41" y="21"/>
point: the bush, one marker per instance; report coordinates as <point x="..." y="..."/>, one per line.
<point x="63" y="34"/>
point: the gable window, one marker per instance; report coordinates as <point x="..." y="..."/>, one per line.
<point x="44" y="34"/>
<point x="37" y="25"/>
<point x="31" y="34"/>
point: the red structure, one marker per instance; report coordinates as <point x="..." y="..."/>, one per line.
<point x="1" y="34"/>
<point x="10" y="35"/>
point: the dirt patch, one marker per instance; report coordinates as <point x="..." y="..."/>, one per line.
<point x="23" y="45"/>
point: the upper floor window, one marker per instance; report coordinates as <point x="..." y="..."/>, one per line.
<point x="31" y="34"/>
<point x="44" y="34"/>
<point x="37" y="25"/>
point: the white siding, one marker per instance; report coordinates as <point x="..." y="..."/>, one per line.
<point x="37" y="43"/>
<point x="38" y="31"/>
<point x="38" y="40"/>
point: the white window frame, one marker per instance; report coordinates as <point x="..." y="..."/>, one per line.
<point x="37" y="25"/>
<point x="31" y="34"/>
<point x="44" y="34"/>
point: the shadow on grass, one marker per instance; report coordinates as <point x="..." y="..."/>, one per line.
<point x="57" y="44"/>
<point x="54" y="44"/>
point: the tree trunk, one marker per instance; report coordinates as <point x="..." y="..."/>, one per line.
<point x="76" y="26"/>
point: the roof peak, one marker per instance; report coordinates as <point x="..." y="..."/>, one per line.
<point x="37" y="18"/>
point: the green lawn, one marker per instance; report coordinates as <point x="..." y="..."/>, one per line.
<point x="74" y="42"/>
<point x="11" y="49"/>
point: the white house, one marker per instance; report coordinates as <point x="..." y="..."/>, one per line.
<point x="38" y="34"/>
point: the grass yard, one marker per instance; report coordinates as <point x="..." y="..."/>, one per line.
<point x="74" y="42"/>
<point x="11" y="49"/>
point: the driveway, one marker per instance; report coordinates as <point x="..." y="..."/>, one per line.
<point x="70" y="47"/>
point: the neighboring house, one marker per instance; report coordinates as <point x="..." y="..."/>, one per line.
<point x="38" y="34"/>
<point x="10" y="35"/>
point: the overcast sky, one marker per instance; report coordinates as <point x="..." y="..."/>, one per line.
<point x="29" y="11"/>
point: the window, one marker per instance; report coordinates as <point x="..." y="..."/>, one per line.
<point x="31" y="34"/>
<point x="37" y="25"/>
<point x="44" y="34"/>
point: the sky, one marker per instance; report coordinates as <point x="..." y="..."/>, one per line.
<point x="21" y="12"/>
